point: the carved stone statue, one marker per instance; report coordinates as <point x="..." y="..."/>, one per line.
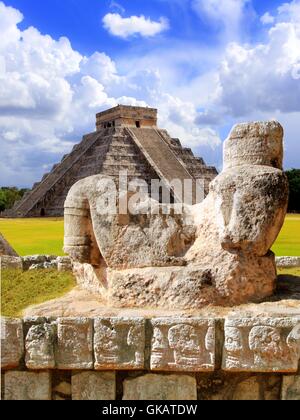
<point x="216" y="252"/>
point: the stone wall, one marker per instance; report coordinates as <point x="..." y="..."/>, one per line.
<point x="36" y="262"/>
<point x="150" y="359"/>
<point x="288" y="262"/>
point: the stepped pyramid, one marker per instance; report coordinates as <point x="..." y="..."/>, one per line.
<point x="126" y="138"/>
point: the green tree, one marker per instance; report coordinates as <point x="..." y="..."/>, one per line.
<point x="9" y="195"/>
<point x="294" y="181"/>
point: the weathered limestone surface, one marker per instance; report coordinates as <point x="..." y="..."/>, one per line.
<point x="6" y="248"/>
<point x="248" y="390"/>
<point x="291" y="388"/>
<point x="64" y="264"/>
<point x="74" y="348"/>
<point x="183" y="345"/>
<point x="33" y="262"/>
<point x="39" y="345"/>
<point x="12" y="344"/>
<point x="14" y="263"/>
<point x="216" y="252"/>
<point x="287" y="262"/>
<point x="262" y="345"/>
<point x="95" y="386"/>
<point x="159" y="387"/>
<point x="222" y="386"/>
<point x="258" y="352"/>
<point x="119" y="343"/>
<point x="26" y="386"/>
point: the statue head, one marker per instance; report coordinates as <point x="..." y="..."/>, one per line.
<point x="256" y="143"/>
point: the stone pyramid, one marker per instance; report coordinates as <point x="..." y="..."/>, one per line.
<point x="126" y="139"/>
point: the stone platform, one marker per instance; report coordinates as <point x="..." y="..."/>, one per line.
<point x="81" y="350"/>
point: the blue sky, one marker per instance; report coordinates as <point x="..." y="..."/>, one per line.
<point x="205" y="64"/>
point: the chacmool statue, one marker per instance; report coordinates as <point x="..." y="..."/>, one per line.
<point x="216" y="252"/>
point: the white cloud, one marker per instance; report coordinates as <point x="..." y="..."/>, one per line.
<point x="50" y="93"/>
<point x="289" y="12"/>
<point x="267" y="19"/>
<point x="133" y="25"/>
<point x="228" y="13"/>
<point x="180" y="119"/>
<point x="10" y="17"/>
<point x="117" y="7"/>
<point x="264" y="77"/>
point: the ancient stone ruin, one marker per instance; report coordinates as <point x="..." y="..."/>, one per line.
<point x="216" y="252"/>
<point x="126" y="139"/>
<point x="167" y="358"/>
<point x="144" y="324"/>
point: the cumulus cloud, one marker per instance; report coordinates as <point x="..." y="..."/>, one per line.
<point x="50" y="93"/>
<point x="264" y="77"/>
<point x="134" y="25"/>
<point x="227" y="13"/>
<point x="267" y="19"/>
<point x="180" y="119"/>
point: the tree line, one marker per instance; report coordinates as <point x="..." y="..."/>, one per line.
<point x="9" y="195"/>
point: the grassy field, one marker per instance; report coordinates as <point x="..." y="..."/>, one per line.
<point x="22" y="289"/>
<point x="288" y="242"/>
<point x="45" y="236"/>
<point x="34" y="236"/>
<point x="289" y="271"/>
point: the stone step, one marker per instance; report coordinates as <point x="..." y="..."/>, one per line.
<point x="49" y="180"/>
<point x="159" y="154"/>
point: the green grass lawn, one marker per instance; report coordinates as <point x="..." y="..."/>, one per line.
<point x="288" y="242"/>
<point x="289" y="271"/>
<point x="34" y="236"/>
<point x="45" y="236"/>
<point x="22" y="289"/>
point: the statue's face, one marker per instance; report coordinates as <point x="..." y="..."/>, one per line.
<point x="265" y="340"/>
<point x="233" y="340"/>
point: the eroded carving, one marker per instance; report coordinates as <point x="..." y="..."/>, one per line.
<point x="262" y="345"/>
<point x="12" y="345"/>
<point x="185" y="344"/>
<point x="74" y="343"/>
<point x="39" y="345"/>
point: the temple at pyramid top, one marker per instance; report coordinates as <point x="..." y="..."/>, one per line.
<point x="127" y="116"/>
<point x="126" y="139"/>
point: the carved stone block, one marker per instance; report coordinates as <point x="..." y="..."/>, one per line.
<point x="74" y="343"/>
<point x="39" y="345"/>
<point x="12" y="345"/>
<point x="160" y="388"/>
<point x="262" y="345"/>
<point x="119" y="343"/>
<point x="12" y="263"/>
<point x="94" y="386"/>
<point x="26" y="386"/>
<point x="183" y="345"/>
